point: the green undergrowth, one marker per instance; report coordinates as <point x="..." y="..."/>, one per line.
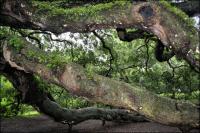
<point x="28" y="111"/>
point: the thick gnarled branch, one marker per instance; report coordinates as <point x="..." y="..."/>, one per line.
<point x="32" y="94"/>
<point x="155" y="17"/>
<point x="97" y="88"/>
<point x="173" y="28"/>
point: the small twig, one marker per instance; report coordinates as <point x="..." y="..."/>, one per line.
<point x="174" y="67"/>
<point x="23" y="34"/>
<point x="61" y="93"/>
<point x="70" y="127"/>
<point x="140" y="47"/>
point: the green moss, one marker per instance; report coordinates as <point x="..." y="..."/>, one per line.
<point x="180" y="28"/>
<point x="92" y="11"/>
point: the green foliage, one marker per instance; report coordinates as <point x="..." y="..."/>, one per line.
<point x="66" y="99"/>
<point x="16" y="42"/>
<point x="89" y="71"/>
<point x="4" y="31"/>
<point x="53" y="60"/>
<point x="8" y="101"/>
<point x="13" y="39"/>
<point x="7" y="98"/>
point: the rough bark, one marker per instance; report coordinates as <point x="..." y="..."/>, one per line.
<point x="156" y="17"/>
<point x="32" y="94"/>
<point x="97" y="88"/>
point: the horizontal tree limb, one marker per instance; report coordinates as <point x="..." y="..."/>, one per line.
<point x="96" y="88"/>
<point x="174" y="28"/>
<point x="37" y="97"/>
<point x="74" y="116"/>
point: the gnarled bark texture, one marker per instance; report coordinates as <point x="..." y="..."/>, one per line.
<point x="37" y="97"/>
<point x="97" y="88"/>
<point x="172" y="29"/>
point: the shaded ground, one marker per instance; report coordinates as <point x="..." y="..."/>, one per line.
<point x="44" y="124"/>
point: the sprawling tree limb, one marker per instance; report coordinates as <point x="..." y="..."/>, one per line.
<point x="159" y="18"/>
<point x="34" y="95"/>
<point x="191" y="7"/>
<point x="97" y="88"/>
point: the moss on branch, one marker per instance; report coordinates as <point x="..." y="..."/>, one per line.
<point x="88" y="13"/>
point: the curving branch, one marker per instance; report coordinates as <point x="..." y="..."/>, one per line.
<point x="32" y="94"/>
